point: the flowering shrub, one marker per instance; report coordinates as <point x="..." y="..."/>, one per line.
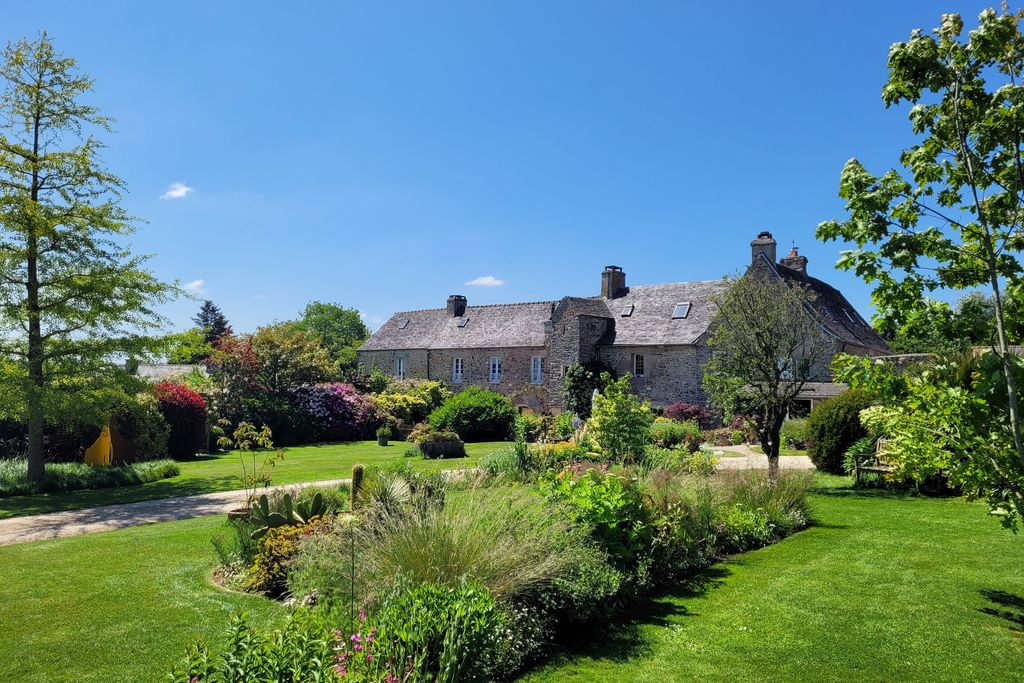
<point x="689" y="412"/>
<point x="338" y="411"/>
<point x="404" y="408"/>
<point x="185" y="413"/>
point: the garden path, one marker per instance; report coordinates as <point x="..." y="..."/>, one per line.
<point x="111" y="517"/>
<point x="743" y="457"/>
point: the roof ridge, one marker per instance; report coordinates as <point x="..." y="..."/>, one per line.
<point x="469" y="306"/>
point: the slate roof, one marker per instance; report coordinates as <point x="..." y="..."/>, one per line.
<point x="835" y="312"/>
<point x="651" y="322"/>
<point x="494" y="326"/>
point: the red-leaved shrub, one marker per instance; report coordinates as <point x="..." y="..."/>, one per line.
<point x="689" y="412"/>
<point x="185" y="412"/>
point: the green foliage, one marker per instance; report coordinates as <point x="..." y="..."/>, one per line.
<point x="609" y="504"/>
<point x="250" y="443"/>
<point x="378" y="381"/>
<point x="794" y="434"/>
<point x="672" y="434"/>
<point x="189" y="347"/>
<point x="301" y="650"/>
<point x="564" y="427"/>
<point x="269" y="571"/>
<point x="579" y="384"/>
<point x="860" y="453"/>
<point x="383" y="433"/>
<point x="441" y="445"/>
<point x="287" y="356"/>
<point x="765" y="346"/>
<point x="744" y="529"/>
<point x="340" y="330"/>
<point x="620" y="422"/>
<point x="833" y="426"/>
<point x="74" y="476"/>
<point x="528" y="427"/>
<point x="401" y="408"/>
<point x="737" y="437"/>
<point x="138" y="419"/>
<point x="948" y="417"/>
<point x="269" y="513"/>
<point x="73" y="298"/>
<point x="446" y="631"/>
<point x="475" y="414"/>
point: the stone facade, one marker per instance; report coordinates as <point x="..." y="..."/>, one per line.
<point x="664" y="324"/>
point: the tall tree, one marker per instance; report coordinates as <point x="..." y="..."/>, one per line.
<point x="766" y="344"/>
<point x="340" y="329"/>
<point x="212" y="321"/>
<point x="72" y="296"/>
<point x="953" y="216"/>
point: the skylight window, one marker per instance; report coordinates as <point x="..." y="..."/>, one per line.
<point x="627" y="310"/>
<point x="403" y="323"/>
<point x="463" y="321"/>
<point x="681" y="310"/>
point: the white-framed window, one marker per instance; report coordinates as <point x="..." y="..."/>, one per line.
<point x="400" y="367"/>
<point x="456" y="370"/>
<point x="638" y="365"/>
<point x="537" y="370"/>
<point x="494" y="372"/>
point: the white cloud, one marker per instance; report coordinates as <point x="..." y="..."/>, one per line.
<point x="196" y="286"/>
<point x="486" y="281"/>
<point x="176" y="190"/>
<point x="261" y="297"/>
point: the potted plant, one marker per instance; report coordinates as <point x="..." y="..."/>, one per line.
<point x="383" y="435"/>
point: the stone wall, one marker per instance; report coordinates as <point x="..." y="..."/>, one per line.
<point x="671" y="373"/>
<point x="571" y="338"/>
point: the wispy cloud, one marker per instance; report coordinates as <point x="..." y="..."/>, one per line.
<point x="261" y="297"/>
<point x="176" y="190"/>
<point x="486" y="281"/>
<point x="196" y="286"/>
<point x="373" y="321"/>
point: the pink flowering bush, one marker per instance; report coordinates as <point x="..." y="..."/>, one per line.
<point x="338" y="411"/>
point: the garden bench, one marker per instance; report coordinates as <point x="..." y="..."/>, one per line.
<point x="880" y="466"/>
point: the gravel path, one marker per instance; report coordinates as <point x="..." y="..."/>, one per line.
<point x="111" y="517"/>
<point x="744" y="458"/>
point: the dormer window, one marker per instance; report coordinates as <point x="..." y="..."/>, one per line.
<point x="627" y="310"/>
<point x="681" y="310"/>
<point x="403" y="323"/>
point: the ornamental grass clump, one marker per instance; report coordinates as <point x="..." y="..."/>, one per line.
<point x="75" y="476"/>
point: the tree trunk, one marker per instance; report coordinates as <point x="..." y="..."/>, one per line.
<point x="36" y="381"/>
<point x="773" y="462"/>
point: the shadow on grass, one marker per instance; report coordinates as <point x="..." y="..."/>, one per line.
<point x="620" y="638"/>
<point x="1010" y="607"/>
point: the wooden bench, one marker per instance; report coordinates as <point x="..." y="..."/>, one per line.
<point x="880" y="466"/>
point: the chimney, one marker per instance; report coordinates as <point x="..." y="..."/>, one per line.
<point x="613" y="282"/>
<point x="456" y="305"/>
<point x="795" y="262"/>
<point x="764" y="244"/>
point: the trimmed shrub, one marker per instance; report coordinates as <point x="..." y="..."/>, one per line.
<point x="833" y="426"/>
<point x="185" y="413"/>
<point x="338" y="411"/>
<point x="737" y="437"/>
<point x="441" y="445"/>
<point x="690" y="412"/>
<point x="475" y="414"/>
<point x="666" y="434"/>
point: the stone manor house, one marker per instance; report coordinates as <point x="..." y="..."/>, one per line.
<point x="656" y="333"/>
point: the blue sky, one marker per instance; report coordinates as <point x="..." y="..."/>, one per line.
<point x="382" y="155"/>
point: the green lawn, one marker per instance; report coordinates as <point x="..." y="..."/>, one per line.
<point x="221" y="473"/>
<point x="883" y="587"/>
<point x="118" y="606"/>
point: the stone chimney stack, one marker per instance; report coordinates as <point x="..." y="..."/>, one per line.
<point x="795" y="262"/>
<point x="613" y="282"/>
<point x="456" y="305"/>
<point x="764" y="244"/>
